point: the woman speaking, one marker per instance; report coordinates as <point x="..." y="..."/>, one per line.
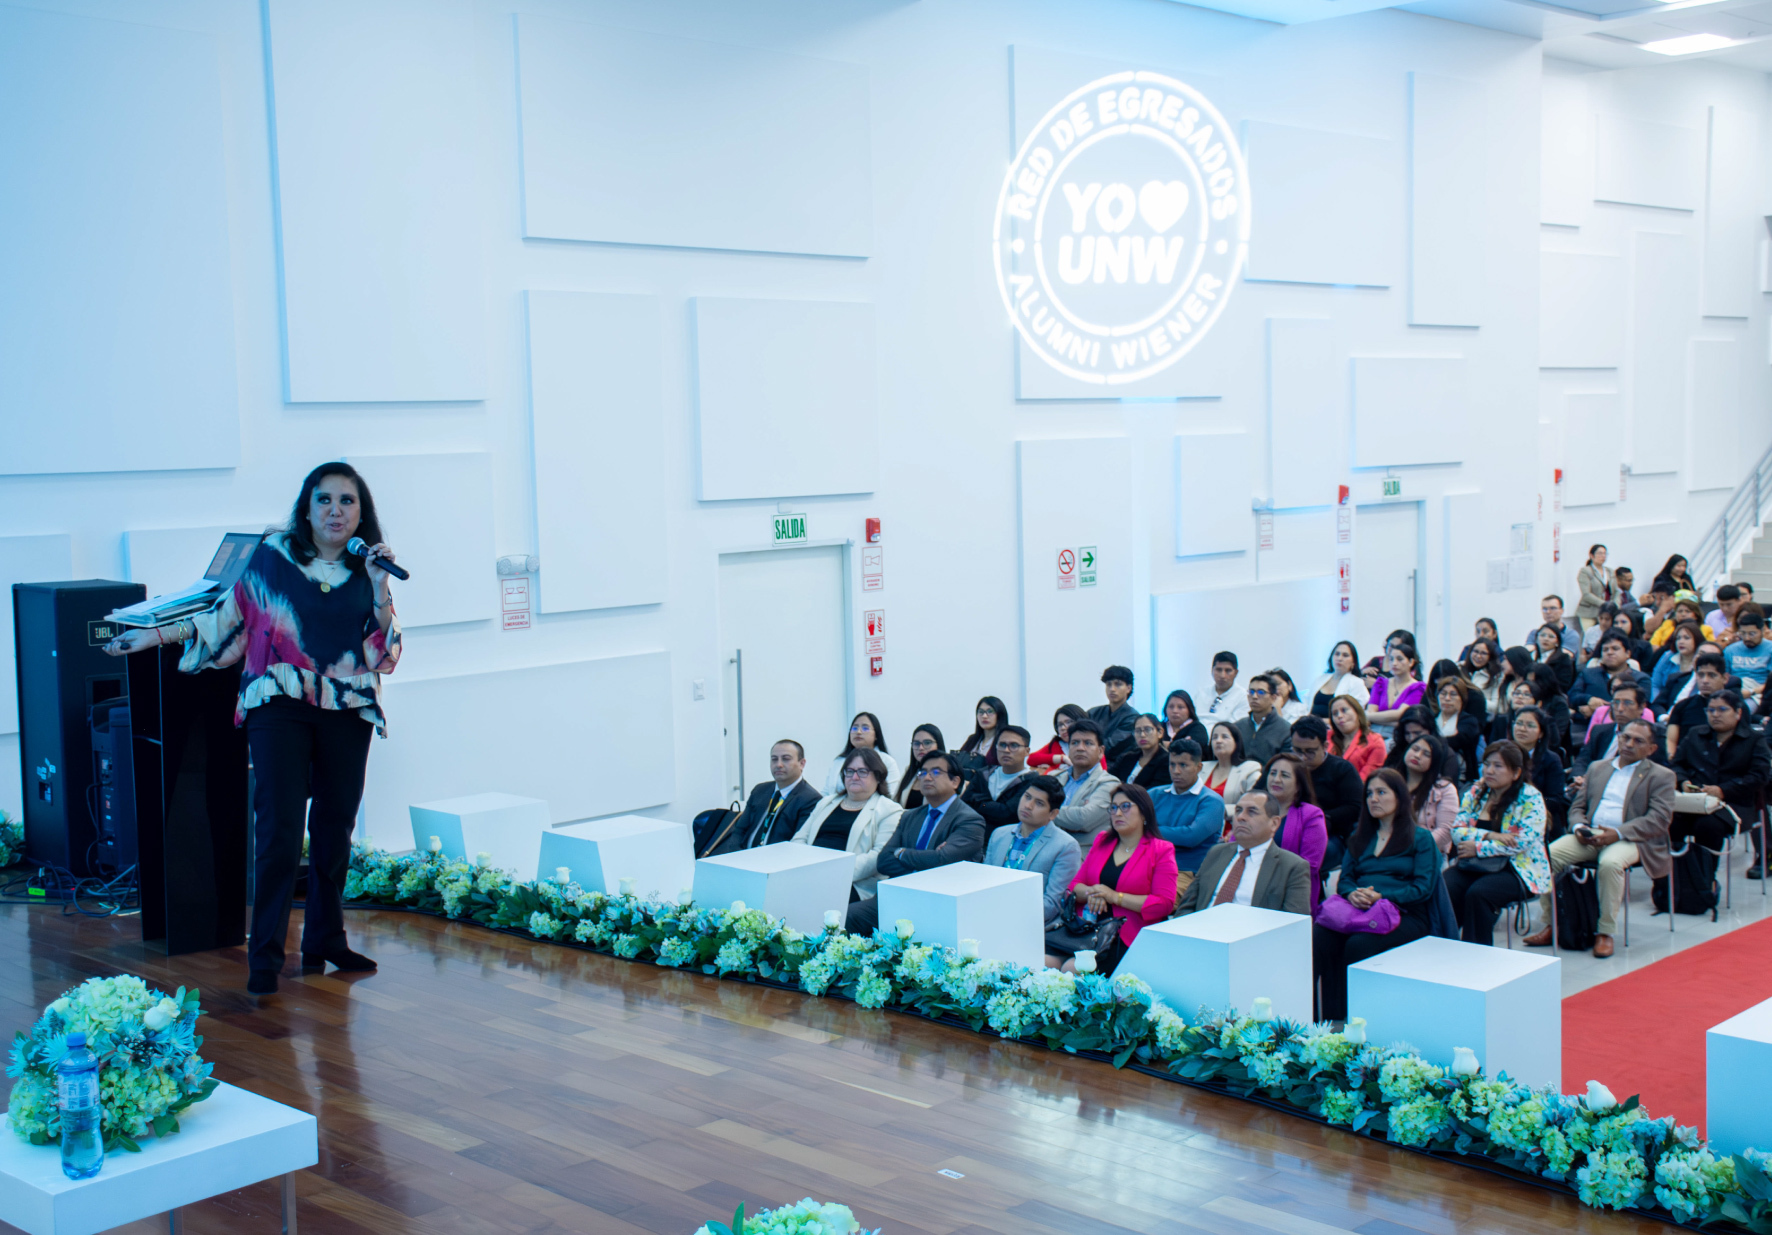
<point x="313" y="627"/>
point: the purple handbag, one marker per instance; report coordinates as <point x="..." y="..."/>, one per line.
<point x="1338" y="914"/>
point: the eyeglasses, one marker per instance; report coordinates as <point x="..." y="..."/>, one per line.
<point x="928" y="773"/>
<point x="1256" y="692"/>
<point x="928" y="744"/>
<point x="851" y="773"/>
<point x="1120" y="808"/>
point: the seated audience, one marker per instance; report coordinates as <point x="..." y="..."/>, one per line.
<point x="1342" y="678"/>
<point x="1457" y="728"/>
<point x="1227" y="702"/>
<point x="1710" y="674"/>
<point x="925" y="740"/>
<point x="1474" y="703"/>
<point x="1039" y="844"/>
<point x="1593" y="685"/>
<point x="1351" y="736"/>
<point x="1292" y="799"/>
<point x="1593" y="631"/>
<point x="1088" y="787"/>
<point x="1180" y="720"/>
<point x="1503" y="817"/>
<point x="1129" y="872"/>
<point x="942" y="831"/>
<point x="865" y="733"/>
<point x="1053" y="756"/>
<point x="1433" y="796"/>
<point x="1189" y="815"/>
<point x="1620" y="817"/>
<point x="1674" y="576"/>
<point x="1722" y="619"/>
<point x="1009" y="780"/>
<point x="1673" y="671"/>
<point x="1264" y="733"/>
<point x="1683" y="607"/>
<point x="1286" y="700"/>
<point x="1602" y="739"/>
<point x="1725" y="758"/>
<point x="1622" y="579"/>
<point x="1230" y="772"/>
<point x="988" y="720"/>
<point x="1482" y="664"/>
<point x="1551" y="610"/>
<point x="1594" y="581"/>
<point x="1486" y="631"/>
<point x="1418" y="722"/>
<point x="1147" y="763"/>
<point x="1629" y="624"/>
<point x="1115" y="717"/>
<point x="1544" y="768"/>
<point x="1548" y="650"/>
<point x="774" y="811"/>
<point x="1250" y="869"/>
<point x="1750" y="656"/>
<point x="1547" y="693"/>
<point x="1399" y="689"/>
<point x="857" y="821"/>
<point x="1340" y="794"/>
<point x="1388" y="858"/>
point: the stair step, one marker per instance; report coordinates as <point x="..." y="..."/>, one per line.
<point x="1761" y="580"/>
<point x="1758" y="563"/>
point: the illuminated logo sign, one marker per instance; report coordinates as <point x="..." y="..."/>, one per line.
<point x="1122" y="228"/>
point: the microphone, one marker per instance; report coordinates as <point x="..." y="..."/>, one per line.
<point x="356" y="545"/>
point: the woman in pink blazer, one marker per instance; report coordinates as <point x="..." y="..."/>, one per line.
<point x="1129" y="871"/>
<point x="1287" y="783"/>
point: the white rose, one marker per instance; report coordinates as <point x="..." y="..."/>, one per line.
<point x="161" y="1015"/>
<point x="833" y="920"/>
<point x="1085" y="961"/>
<point x="482" y="858"/>
<point x="1599" y="1099"/>
<point x="969" y="949"/>
<point x="1263" y="1008"/>
<point x="1355" y="1031"/>
<point x="436" y="844"/>
<point x="738" y="906"/>
<point x="904" y="928"/>
<point x="686" y="896"/>
<point x="1464" y="1062"/>
<point x="562" y="874"/>
<point x="627" y="886"/>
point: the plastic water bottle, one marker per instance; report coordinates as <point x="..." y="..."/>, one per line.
<point x="76" y="1083"/>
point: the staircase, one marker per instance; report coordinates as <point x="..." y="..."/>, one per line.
<point x="1743" y="520"/>
<point x="1756" y="566"/>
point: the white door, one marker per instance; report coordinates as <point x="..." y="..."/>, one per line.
<point x="786" y="672"/>
<point x="1387" y="573"/>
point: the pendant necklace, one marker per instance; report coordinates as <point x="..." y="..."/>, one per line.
<point x="326" y="584"/>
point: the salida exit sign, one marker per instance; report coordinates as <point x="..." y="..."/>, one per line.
<point x="789" y="528"/>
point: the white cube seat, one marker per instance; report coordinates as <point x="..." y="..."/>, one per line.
<point x="1003" y="910"/>
<point x="1227" y="956"/>
<point x="658" y="855"/>
<point x="503" y="825"/>
<point x="229" y="1140"/>
<point x="1439" y="994"/>
<point x="797" y="883"/>
<point x="1737" y="1071"/>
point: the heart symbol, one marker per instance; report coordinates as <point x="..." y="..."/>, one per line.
<point x="1162" y="204"/>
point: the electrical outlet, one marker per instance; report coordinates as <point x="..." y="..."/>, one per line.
<point x="698" y="689"/>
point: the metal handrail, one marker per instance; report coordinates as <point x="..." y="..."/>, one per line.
<point x="1743" y="515"/>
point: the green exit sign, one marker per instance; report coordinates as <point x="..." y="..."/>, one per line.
<point x="1393" y="486"/>
<point x="789" y="528"/>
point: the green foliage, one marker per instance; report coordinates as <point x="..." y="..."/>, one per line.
<point x="12" y="839"/>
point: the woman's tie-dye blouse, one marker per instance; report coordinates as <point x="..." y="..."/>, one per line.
<point x="292" y="638"/>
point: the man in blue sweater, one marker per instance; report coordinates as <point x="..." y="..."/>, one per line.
<point x="1189" y="815"/>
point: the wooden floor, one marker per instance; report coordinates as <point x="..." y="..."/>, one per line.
<point x="480" y="1084"/>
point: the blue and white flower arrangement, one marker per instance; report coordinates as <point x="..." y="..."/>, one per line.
<point x="807" y="1217"/>
<point x="149" y="1068"/>
<point x="12" y="840"/>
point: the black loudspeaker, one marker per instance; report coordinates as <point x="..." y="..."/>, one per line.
<point x="113" y="786"/>
<point x="59" y="631"/>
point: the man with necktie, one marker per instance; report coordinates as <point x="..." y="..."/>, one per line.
<point x="942" y="831"/>
<point x="776" y="808"/>
<point x="1252" y="869"/>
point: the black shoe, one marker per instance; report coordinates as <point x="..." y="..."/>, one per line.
<point x="1753" y="872"/>
<point x="262" y="982"/>
<point x="344" y="960"/>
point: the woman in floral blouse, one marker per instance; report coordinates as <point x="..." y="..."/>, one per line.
<point x="1497" y="843"/>
<point x="313" y="630"/>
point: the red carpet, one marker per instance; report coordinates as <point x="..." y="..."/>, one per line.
<point x="1643" y="1033"/>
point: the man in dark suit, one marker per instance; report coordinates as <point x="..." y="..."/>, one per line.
<point x="1628" y="698"/>
<point x="1252" y="870"/>
<point x="940" y="832"/>
<point x="777" y="808"/>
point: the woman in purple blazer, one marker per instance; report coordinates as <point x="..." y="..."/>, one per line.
<point x="1287" y="783"/>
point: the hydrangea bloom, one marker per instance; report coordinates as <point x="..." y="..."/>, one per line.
<point x="1340" y="1106"/>
<point x="1611" y="1180"/>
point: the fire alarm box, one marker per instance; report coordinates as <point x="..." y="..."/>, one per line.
<point x="876" y="666"/>
<point x="873" y="531"/>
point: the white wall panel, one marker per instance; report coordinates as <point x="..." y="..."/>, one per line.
<point x="1068" y="637"/>
<point x="1713" y="421"/>
<point x="1581" y="310"/>
<point x="164" y="558"/>
<point x="1469" y="540"/>
<point x="1307" y="441"/>
<point x="1410" y="410"/>
<point x="1593" y="448"/>
<point x="24" y="559"/>
<point x="1188" y="628"/>
<point x="436" y="513"/>
<point x="1448" y="201"/>
<point x="1643" y="163"/>
<point x="379" y="202"/>
<point x="1328" y="207"/>
<point x="784" y="393"/>
<point x="1732" y="229"/>
<point x="596" y="399"/>
<point x="1664" y="306"/>
<point x="634" y="138"/>
<point x="1213" y="510"/>
<point x="1565" y="150"/>
<point x="527" y="731"/>
<point x="116" y="305"/>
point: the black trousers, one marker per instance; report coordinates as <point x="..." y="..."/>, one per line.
<point x="302" y="754"/>
<point x="863" y="917"/>
<point x="1332" y="952"/>
<point x="1477" y="900"/>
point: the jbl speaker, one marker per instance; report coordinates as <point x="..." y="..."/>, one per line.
<point x="59" y="634"/>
